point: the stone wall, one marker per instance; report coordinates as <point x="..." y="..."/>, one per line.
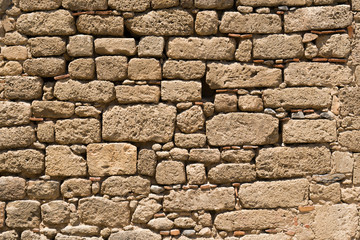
<point x="179" y="119"/>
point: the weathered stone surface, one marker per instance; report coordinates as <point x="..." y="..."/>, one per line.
<point x="85" y="5"/>
<point x="144" y="69"/>
<point x="43" y="189"/>
<point x="14" y="113"/>
<point x="58" y="22"/>
<point x="81" y="230"/>
<point x="139" y="123"/>
<point x="9" y="235"/>
<point x="94" y="91"/>
<point x="349" y="98"/>
<point x="215" y="48"/>
<point x="170" y="172"/>
<point x="156" y="4"/>
<point x="137" y="94"/>
<point x="167" y="22"/>
<point x="278" y="46"/>
<point x="343" y="162"/>
<point x="161" y="224"/>
<point x="235" y="22"/>
<point x="271" y="3"/>
<point x="244" y="51"/>
<point x="52" y="109"/>
<point x="226" y="102"/>
<point x="205" y="155"/>
<point x="181" y="91"/>
<point x="238" y="75"/>
<point x="115" y="46"/>
<point x="232" y="172"/>
<point x="135" y="234"/>
<point x="317" y="74"/>
<point x="14" y="38"/>
<point x="262" y="236"/>
<point x="61" y="161"/>
<point x="319" y="193"/>
<point x="191" y="120"/>
<point x="318" y="18"/>
<point x="11" y="68"/>
<point x="60" y="236"/>
<point x="337" y="45"/>
<point x="103" y="212"/>
<point x="47" y="46"/>
<point x="297" y="98"/>
<point x="186" y="70"/>
<point x="350" y="195"/>
<point x="214" y="4"/>
<point x="250" y="103"/>
<point x="12" y="188"/>
<point x="196" y="174"/>
<point x="351" y="123"/>
<point x="83" y="131"/>
<point x="111" y="159"/>
<point x="350" y="140"/>
<point x="237" y="156"/>
<point x="253" y="219"/>
<point x="55" y="213"/>
<point x="82" y="69"/>
<point x="113" y="68"/>
<point x="2" y="215"/>
<point x="206" y="23"/>
<point x="130" y="6"/>
<point x="145" y="210"/>
<point x="25" y="162"/>
<point x="291" y="193"/>
<point x="23" y="214"/>
<point x="76" y="187"/>
<point x="100" y="25"/>
<point x="219" y="199"/>
<point x="146" y="163"/>
<point x="291" y="162"/>
<point x="30" y="5"/>
<point x="242" y="128"/>
<point x="80" y="46"/>
<point x="151" y="46"/>
<point x="17" y="53"/>
<point x="196" y="140"/>
<point x="22" y="87"/>
<point x="16" y="137"/>
<point x="45" y="67"/>
<point x="45" y="132"/>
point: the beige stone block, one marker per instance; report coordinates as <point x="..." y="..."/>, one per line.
<point x="181" y="91"/>
<point x="144" y="69"/>
<point x="350" y="140"/>
<point x="9" y="235"/>
<point x="156" y="4"/>
<point x="55" y="213"/>
<point x="343" y="162"/>
<point x="45" y="132"/>
<point x="237" y="156"/>
<point x="170" y="172"/>
<point x="111" y="159"/>
<point x="270" y="3"/>
<point x="167" y="22"/>
<point x="146" y="163"/>
<point x="225" y="102"/>
<point x="330" y="193"/>
<point x="100" y="25"/>
<point x="196" y="174"/>
<point x="349" y="99"/>
<point x="129" y="6"/>
<point x="29" y="5"/>
<point x="214" y="4"/>
<point x="113" y="68"/>
<point x="24" y="162"/>
<point x="44" y="190"/>
<point x="241" y="129"/>
<point x="337" y="45"/>
<point x="57" y="23"/>
<point x="244" y="51"/>
<point x="238" y="75"/>
<point x="162" y="223"/>
<point x="22" y="87"/>
<point x="81" y="131"/>
<point x="196" y="140"/>
<point x="17" y="53"/>
<point x="133" y="234"/>
<point x="204" y="155"/>
<point x="291" y="162"/>
<point x="232" y="172"/>
<point x="87" y="111"/>
<point x="186" y="70"/>
<point x="250" y="103"/>
<point x="125" y="186"/>
<point x="2" y="214"/>
<point x="16" y="137"/>
<point x="179" y="154"/>
<point x="191" y="120"/>
<point x="76" y="187"/>
<point x="206" y="23"/>
<point x="351" y="123"/>
<point x="47" y="46"/>
<point x="14" y="38"/>
<point x="23" y="214"/>
<point x="80" y="46"/>
<point x="115" y="46"/>
<point x="87" y="5"/>
<point x="350" y="195"/>
<point x="45" y="67"/>
<point x="52" y="109"/>
<point x="151" y="46"/>
<point x="82" y="69"/>
<point x="12" y="188"/>
<point x="145" y="210"/>
<point x="137" y="94"/>
<point x="11" y="68"/>
<point x="14" y="113"/>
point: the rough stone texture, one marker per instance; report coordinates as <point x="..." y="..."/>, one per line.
<point x="45" y="67"/>
<point x="196" y="174"/>
<point x="80" y="46"/>
<point x="113" y="68"/>
<point x="181" y="91"/>
<point x="291" y="193"/>
<point x="52" y="109"/>
<point x="167" y="22"/>
<point x="186" y="70"/>
<point x="156" y="4"/>
<point x="146" y="163"/>
<point x="100" y="25"/>
<point x="349" y="101"/>
<point x="258" y="3"/>
<point x="319" y="193"/>
<point x="23" y="214"/>
<point x="14" y="113"/>
<point x="145" y="210"/>
<point x="84" y="5"/>
<point x="206" y="23"/>
<point x="121" y="186"/>
<point x="137" y="94"/>
<point x="191" y="120"/>
<point x="190" y="140"/>
<point x="55" y="213"/>
<point x="170" y="172"/>
<point x="2" y="214"/>
<point x="238" y="75"/>
<point x="337" y="45"/>
<point x="76" y="187"/>
<point x="343" y="162"/>
<point x="135" y="234"/>
<point x="29" y="5"/>
<point x="144" y="69"/>
<point x="25" y="162"/>
<point x="161" y="224"/>
<point x="17" y="53"/>
<point x="16" y="137"/>
<point x="12" y="188"/>
<point x="234" y="173"/>
<point x="130" y="6"/>
<point x="82" y="69"/>
<point x="43" y="189"/>
<point x="45" y="132"/>
<point x="219" y="199"/>
<point x="115" y="46"/>
<point x="151" y="46"/>
<point x="204" y="155"/>
<point x="244" y="50"/>
<point x="214" y="4"/>
<point x="242" y="128"/>
<point x="291" y="162"/>
<point x="225" y="102"/>
<point x="47" y="46"/>
<point x="350" y="140"/>
<point x="249" y="103"/>
<point x="136" y="123"/>
<point x="237" y="156"/>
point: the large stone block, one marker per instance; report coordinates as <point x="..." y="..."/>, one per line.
<point x="87" y="5"/>
<point x="125" y="186"/>
<point x="45" y="67"/>
<point x="47" y="46"/>
<point x="215" y="48"/>
<point x="219" y="199"/>
<point x="14" y="113"/>
<point x="297" y="98"/>
<point x="291" y="162"/>
<point x="318" y="18"/>
<point x="232" y="172"/>
<point x="94" y="91"/>
<point x="309" y="131"/>
<point x="22" y="87"/>
<point x="181" y="91"/>
<point x="24" y="162"/>
<point x="242" y="129"/>
<point x="23" y="214"/>
<point x="137" y="94"/>
<point x="100" y="25"/>
<point x="58" y="22"/>
<point x="271" y="3"/>
<point x="350" y="140"/>
<point x="284" y="194"/>
<point x="16" y="137"/>
<point x="336" y="45"/>
<point x="349" y="98"/>
<point x="30" y="5"/>
<point x="111" y="159"/>
<point x="238" y="75"/>
<point x="52" y="109"/>
<point x="317" y="74"/>
<point x="167" y="22"/>
<point x="186" y="70"/>
<point x="235" y="22"/>
<point x="12" y="188"/>
<point x="139" y="123"/>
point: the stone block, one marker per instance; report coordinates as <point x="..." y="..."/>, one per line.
<point x="349" y="99"/>
<point x="14" y="38"/>
<point x="181" y="91"/>
<point x="134" y="234"/>
<point x="156" y="4"/>
<point x="82" y="69"/>
<point x="2" y="214"/>
<point x="191" y="120"/>
<point x="237" y="156"/>
<point x="244" y="51"/>
<point x="137" y="94"/>
<point x="9" y="235"/>
<point x="196" y="140"/>
<point x="350" y="140"/>
<point x="45" y="67"/>
<point x="271" y="3"/>
<point x="81" y="5"/>
<point x="162" y="223"/>
<point x="14" y="113"/>
<point x="11" y="68"/>
<point x="214" y="4"/>
<point x="151" y="46"/>
<point x="170" y="172"/>
<point x="24" y="162"/>
<point x="206" y="23"/>
<point x="77" y="131"/>
<point x="22" y="87"/>
<point x="204" y="155"/>
<point x="115" y="46"/>
<point x="45" y="132"/>
<point x="232" y="172"/>
<point x="125" y="186"/>
<point x="44" y="190"/>
<point x="52" y="109"/>
<point x="196" y="174"/>
<point x="145" y="210"/>
<point x="225" y="102"/>
<point x="179" y="154"/>
<point x="16" y="137"/>
<point x="55" y="213"/>
<point x="337" y="45"/>
<point x="30" y="6"/>
<point x="320" y="193"/>
<point x="250" y="103"/>
<point x="146" y="163"/>
<point x="262" y="236"/>
<point x="130" y="6"/>
<point x="100" y="25"/>
<point x="186" y="70"/>
<point x="113" y="68"/>
<point x="47" y="46"/>
<point x="144" y="69"/>
<point x="23" y="214"/>
<point x="80" y="46"/>
<point x="12" y="188"/>
<point x="343" y="162"/>
<point x="17" y="53"/>
<point x="76" y="187"/>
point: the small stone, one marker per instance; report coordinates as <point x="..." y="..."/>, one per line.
<point x="145" y="210"/>
<point x="85" y="5"/>
<point x="161" y="224"/>
<point x="196" y="174"/>
<point x="186" y="70"/>
<point x="146" y="163"/>
<point x="43" y="189"/>
<point x="263" y="10"/>
<point x="125" y="186"/>
<point x="309" y="37"/>
<point x="156" y="189"/>
<point x="87" y="111"/>
<point x="196" y="140"/>
<point x="12" y="188"/>
<point x="144" y="69"/>
<point x="250" y="103"/>
<point x="100" y="25"/>
<point x="234" y="173"/>
<point x="206" y="156"/>
<point x="14" y="38"/>
<point x="137" y="94"/>
<point x="191" y="120"/>
<point x="244" y="51"/>
<point x="180" y="91"/>
<point x="245" y="9"/>
<point x="45" y="67"/>
<point x="179" y="154"/>
<point x="225" y="102"/>
<point x="23" y="214"/>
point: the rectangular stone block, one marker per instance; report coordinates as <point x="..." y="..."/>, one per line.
<point x="235" y="22"/>
<point x="309" y="131"/>
<point x="129" y="5"/>
<point x="100" y="25"/>
<point x="350" y="103"/>
<point x="112" y="68"/>
<point x="2" y="214"/>
<point x="14" y="113"/>
<point x="196" y="140"/>
<point x="139" y="123"/>
<point x="356" y="172"/>
<point x="78" y="131"/>
<point x="115" y="46"/>
<point x="77" y="91"/>
<point x="284" y="194"/>
<point x="45" y="67"/>
<point x="16" y="137"/>
<point x="213" y="48"/>
<point x="180" y="91"/>
<point x="292" y="162"/>
<point x="204" y="155"/>
<point x="125" y="186"/>
<point x="219" y="199"/>
<point x="185" y="70"/>
<point x="236" y="75"/>
<point x="12" y="188"/>
<point x="45" y="132"/>
<point x="271" y="3"/>
<point x="351" y="123"/>
<point x="44" y="190"/>
<point x="111" y="159"/>
<point x="52" y="109"/>
<point x="214" y="4"/>
<point x="24" y="162"/>
<point x="232" y="172"/>
<point x="318" y="18"/>
<point x="81" y="5"/>
<point x="30" y="5"/>
<point x="237" y="156"/>
<point x="80" y="46"/>
<point x="144" y="69"/>
<point x="241" y="129"/>
<point x="47" y="46"/>
<point x="336" y="45"/>
<point x="17" y="53"/>
<point x="82" y="69"/>
<point x="137" y="94"/>
<point x="289" y="98"/>
<point x="278" y="46"/>
<point x="23" y="214"/>
<point x="350" y="140"/>
<point x="22" y="87"/>
<point x="311" y="74"/>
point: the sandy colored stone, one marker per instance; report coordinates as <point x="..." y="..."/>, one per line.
<point x="124" y="186"/>
<point x="250" y="103"/>
<point x="137" y="94"/>
<point x="44" y="190"/>
<point x="88" y="5"/>
<point x="236" y="75"/>
<point x="9" y="235"/>
<point x="76" y="187"/>
<point x="45" y="131"/>
<point x="284" y="194"/>
<point x="16" y="137"/>
<point x="350" y="195"/>
<point x="80" y="46"/>
<point x="191" y="120"/>
<point x="186" y="70"/>
<point x="55" y="213"/>
<point x="213" y="4"/>
<point x="82" y="131"/>
<point x="232" y="172"/>
<point x="135" y="234"/>
<point x="196" y="173"/>
<point x="144" y="69"/>
<point x="161" y="224"/>
<point x="130" y="6"/>
<point x="218" y="199"/>
<point x="291" y="162"/>
<point x="81" y="230"/>
<point x="318" y="18"/>
<point x="60" y="236"/>
<point x="244" y="51"/>
<point x="309" y="131"/>
<point x="167" y="22"/>
<point x="181" y="91"/>
<point x="2" y="214"/>
<point x="297" y="98"/>
<point x="351" y="123"/>
<point x="52" y="109"/>
<point x="170" y="172"/>
<point x="100" y="211"/>
<point x="14" y="113"/>
<point x="17" y="53"/>
<point x="100" y="25"/>
<point x="225" y="102"/>
<point x="204" y="155"/>
<point x="45" y="67"/>
<point x="14" y="38"/>
<point x="22" y="87"/>
<point x="30" y="5"/>
<point x="145" y="210"/>
<point x="349" y="99"/>
<point x="24" y="162"/>
<point x="58" y="22"/>
<point x="115" y="46"/>
<point x="356" y="171"/>
<point x="235" y="22"/>
<point x="23" y="214"/>
<point x="337" y="45"/>
<point x="350" y="140"/>
<point x="317" y="74"/>
<point x="237" y="156"/>
<point x="146" y="163"/>
<point x="11" y="68"/>
<point x="343" y="162"/>
<point x="156" y="4"/>
<point x="46" y="46"/>
<point x="151" y="46"/>
<point x="196" y="140"/>
<point x="271" y="3"/>
<point x="262" y="236"/>
<point x="12" y="188"/>
<point x="94" y="91"/>
<point x="278" y="46"/>
<point x="87" y="111"/>
<point x="241" y="129"/>
<point x="82" y="69"/>
<point x="206" y="23"/>
<point x="111" y="159"/>
<point x="111" y="68"/>
<point x="330" y="193"/>
<point x="184" y="222"/>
